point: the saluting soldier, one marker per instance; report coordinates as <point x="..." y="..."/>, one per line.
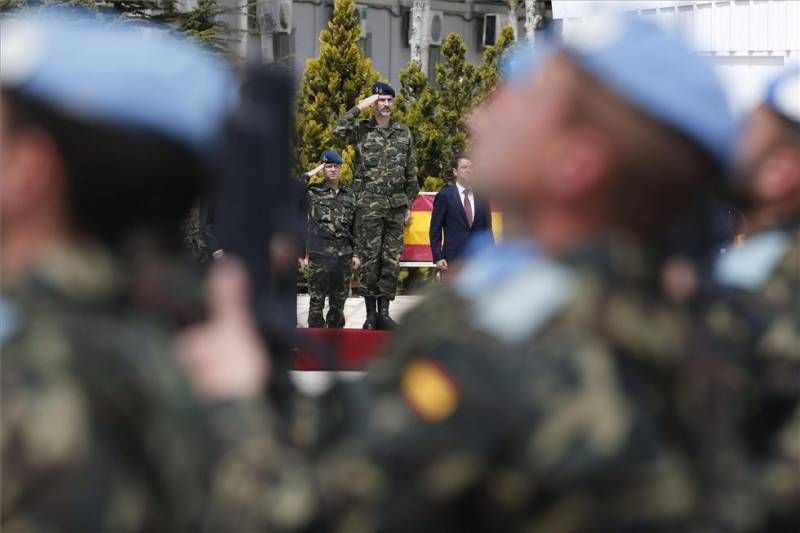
<point x="385" y="186"/>
<point x="331" y="214"/>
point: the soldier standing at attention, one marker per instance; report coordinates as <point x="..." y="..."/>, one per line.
<point x="385" y="186"/>
<point x="331" y="213"/>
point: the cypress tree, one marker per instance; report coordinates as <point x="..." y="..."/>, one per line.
<point x="458" y="84"/>
<point x="489" y="69"/>
<point x="416" y="107"/>
<point x="332" y="83"/>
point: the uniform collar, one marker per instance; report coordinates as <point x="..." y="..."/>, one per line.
<point x="393" y="124"/>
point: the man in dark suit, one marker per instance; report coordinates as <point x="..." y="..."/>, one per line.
<point x="457" y="215"/>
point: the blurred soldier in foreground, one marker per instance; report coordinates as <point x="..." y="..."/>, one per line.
<point x="385" y="186"/>
<point x="331" y="213"/>
<point x="548" y="397"/>
<point x="100" y="162"/>
<point x="763" y="277"/>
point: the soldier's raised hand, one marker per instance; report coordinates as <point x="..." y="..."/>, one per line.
<point x="316" y="170"/>
<point x="369" y="101"/>
<point x="224" y="356"/>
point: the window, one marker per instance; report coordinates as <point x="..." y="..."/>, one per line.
<point x="283" y="46"/>
<point x="366" y="45"/>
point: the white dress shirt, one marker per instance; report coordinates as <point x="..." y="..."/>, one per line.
<point x="471" y="196"/>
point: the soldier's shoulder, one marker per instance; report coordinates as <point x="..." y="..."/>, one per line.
<point x="513" y="292"/>
<point x="750" y="265"/>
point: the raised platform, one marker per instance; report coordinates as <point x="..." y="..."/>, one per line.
<point x="354" y="311"/>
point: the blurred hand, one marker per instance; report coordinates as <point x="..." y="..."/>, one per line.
<point x="219" y="254"/>
<point x="369" y="101"/>
<point x="408" y="216"/>
<point x="441" y="264"/>
<point x="356" y="263"/>
<point x="316" y="170"/>
<point x="224" y="357"/>
<point x="282" y="251"/>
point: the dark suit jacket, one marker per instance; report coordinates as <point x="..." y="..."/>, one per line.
<point x="448" y="217"/>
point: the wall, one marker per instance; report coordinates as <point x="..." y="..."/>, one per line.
<point x="387" y="42"/>
<point x="747" y="40"/>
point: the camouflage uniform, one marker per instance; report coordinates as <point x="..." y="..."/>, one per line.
<point x="193" y="238"/>
<point x="100" y="430"/>
<point x="759" y="309"/>
<point x="385" y="186"/>
<point x="545" y="399"/>
<point x="331" y="215"/>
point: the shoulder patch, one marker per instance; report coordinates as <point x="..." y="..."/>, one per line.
<point x="514" y="295"/>
<point x="429" y="390"/>
<point x="750" y="265"/>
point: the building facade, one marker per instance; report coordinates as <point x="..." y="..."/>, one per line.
<point x="385" y="34"/>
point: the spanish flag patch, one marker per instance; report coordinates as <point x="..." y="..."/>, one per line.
<point x="429" y="390"/>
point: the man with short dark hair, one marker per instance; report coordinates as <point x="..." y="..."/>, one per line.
<point x="457" y="216"/>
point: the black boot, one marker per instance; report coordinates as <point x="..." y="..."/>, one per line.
<point x="316" y="320"/>
<point x="372" y="315"/>
<point x="384" y="320"/>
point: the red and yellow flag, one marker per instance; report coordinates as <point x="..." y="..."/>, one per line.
<point x="417" y="243"/>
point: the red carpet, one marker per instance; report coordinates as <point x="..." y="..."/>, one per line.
<point x="337" y="349"/>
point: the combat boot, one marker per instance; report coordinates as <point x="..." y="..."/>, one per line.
<point x="384" y="320"/>
<point x="315" y="320"/>
<point x="372" y="314"/>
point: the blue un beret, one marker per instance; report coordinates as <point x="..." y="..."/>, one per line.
<point x="117" y="75"/>
<point x="329" y="156"/>
<point x="383" y="88"/>
<point x="783" y="94"/>
<point x="652" y="69"/>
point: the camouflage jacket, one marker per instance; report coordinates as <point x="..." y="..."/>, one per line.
<point x="100" y="430"/>
<point x="758" y="307"/>
<point x="385" y="164"/>
<point x="331" y="216"/>
<point x="546" y="398"/>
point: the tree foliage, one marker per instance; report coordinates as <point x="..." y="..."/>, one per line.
<point x="458" y="82"/>
<point x="489" y="70"/>
<point x="332" y="83"/>
<point x="416" y="107"/>
<point x="202" y="22"/>
<point x="436" y="116"/>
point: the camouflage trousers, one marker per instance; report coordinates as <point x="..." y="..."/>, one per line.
<point x="328" y="276"/>
<point x="379" y="242"/>
<point x="193" y="237"/>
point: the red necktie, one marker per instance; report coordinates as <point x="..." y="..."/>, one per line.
<point x="467" y="208"/>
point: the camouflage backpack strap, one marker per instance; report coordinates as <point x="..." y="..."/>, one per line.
<point x="513" y="292"/>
